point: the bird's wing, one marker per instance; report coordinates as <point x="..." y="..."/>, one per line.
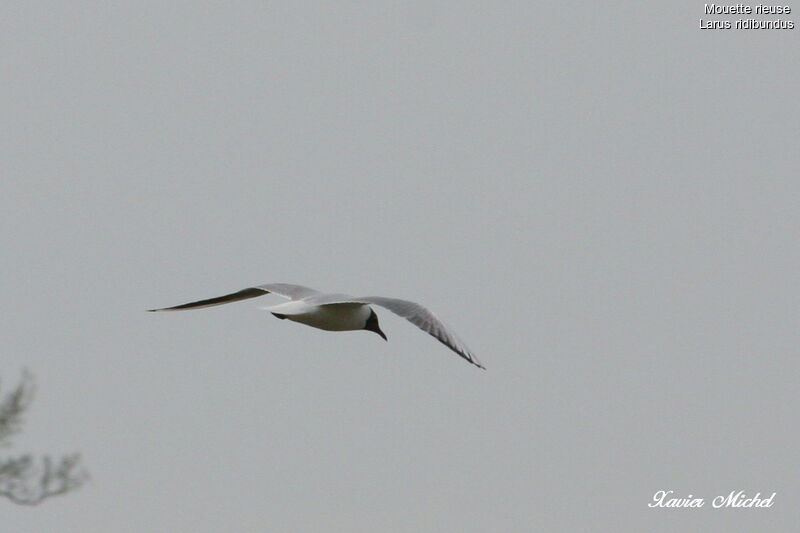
<point x="411" y="311"/>
<point x="291" y="292"/>
<point x="288" y="291"/>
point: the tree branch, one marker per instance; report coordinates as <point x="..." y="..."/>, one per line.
<point x="24" y="480"/>
<point x="12" y="407"/>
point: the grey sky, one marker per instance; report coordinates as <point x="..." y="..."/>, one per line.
<point x="601" y="199"/>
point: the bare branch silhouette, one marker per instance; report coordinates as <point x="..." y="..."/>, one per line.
<point x="24" y="479"/>
<point x="12" y="407"/>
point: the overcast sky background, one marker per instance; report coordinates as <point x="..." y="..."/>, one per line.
<point x="601" y="199"/>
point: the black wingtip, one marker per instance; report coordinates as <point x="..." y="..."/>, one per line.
<point x="475" y="362"/>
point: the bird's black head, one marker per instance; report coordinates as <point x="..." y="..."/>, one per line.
<point x="372" y="324"/>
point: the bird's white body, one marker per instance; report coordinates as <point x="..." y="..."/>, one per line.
<point x="343" y="317"/>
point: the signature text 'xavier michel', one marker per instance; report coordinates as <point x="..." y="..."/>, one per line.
<point x="667" y="498"/>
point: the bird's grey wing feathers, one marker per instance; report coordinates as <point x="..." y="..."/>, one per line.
<point x="414" y="313"/>
<point x="291" y="292"/>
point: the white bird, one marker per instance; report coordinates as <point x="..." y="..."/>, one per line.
<point x="339" y="312"/>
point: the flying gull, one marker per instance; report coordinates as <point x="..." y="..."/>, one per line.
<point x="339" y="312"/>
